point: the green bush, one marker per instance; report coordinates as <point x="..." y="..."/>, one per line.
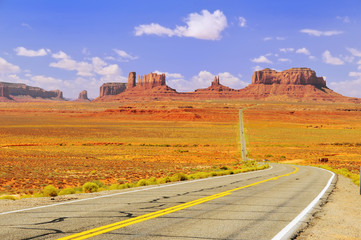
<point x="165" y="180"/>
<point x="142" y="182"/>
<point x="90" y="187"/>
<point x="99" y="183"/>
<point x="67" y="191"/>
<point x="50" y="191"/>
<point x="9" y="197"/>
<point x="152" y="181"/>
<point x="179" y="177"/>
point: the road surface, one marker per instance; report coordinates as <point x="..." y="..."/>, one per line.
<point x="256" y="205"/>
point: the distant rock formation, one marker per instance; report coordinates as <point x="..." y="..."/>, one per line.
<point x="148" y="86"/>
<point x="114" y="88"/>
<point x="22" y="92"/>
<point x="293" y="76"/>
<point x="295" y="84"/>
<point x="83" y="96"/>
<point x="216" y="90"/>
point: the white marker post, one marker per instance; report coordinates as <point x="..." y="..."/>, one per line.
<point x="242" y="136"/>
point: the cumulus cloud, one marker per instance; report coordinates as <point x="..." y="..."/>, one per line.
<point x="354" y="52"/>
<point x="205" y="26"/>
<point x="21" y="51"/>
<point x="329" y="59"/>
<point x="45" y="80"/>
<point x="317" y="33"/>
<point x="242" y="21"/>
<point x="60" y="55"/>
<point x="124" y="56"/>
<point x="261" y="59"/>
<point x="7" y="68"/>
<point x="286" y="50"/>
<point x="202" y="80"/>
<point x="349" y="87"/>
<point x="257" y="68"/>
<point x="87" y="69"/>
<point x="303" y="51"/>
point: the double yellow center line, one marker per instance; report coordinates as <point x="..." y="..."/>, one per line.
<point x="121" y="224"/>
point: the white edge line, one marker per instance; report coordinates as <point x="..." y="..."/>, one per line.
<point x="300" y="217"/>
<point x="139" y="190"/>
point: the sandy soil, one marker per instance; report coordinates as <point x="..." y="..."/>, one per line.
<point x="340" y="217"/>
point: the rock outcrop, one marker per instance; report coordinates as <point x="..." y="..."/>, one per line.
<point x="293" y="76"/>
<point x="108" y="89"/>
<point x="83" y="96"/>
<point x="295" y="84"/>
<point x="22" y="92"/>
<point x="216" y="90"/>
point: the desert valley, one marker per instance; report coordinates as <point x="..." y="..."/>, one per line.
<point x="144" y="129"/>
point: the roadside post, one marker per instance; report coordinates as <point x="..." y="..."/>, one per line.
<point x="360" y="180"/>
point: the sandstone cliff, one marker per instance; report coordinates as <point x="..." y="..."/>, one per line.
<point x="22" y="92"/>
<point x="83" y="96"/>
<point x="216" y="90"/>
<point x="108" y="89"/>
<point x="152" y="86"/>
<point x="293" y="76"/>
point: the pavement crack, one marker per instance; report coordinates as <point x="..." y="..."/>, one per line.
<point x="56" y="220"/>
<point x="127" y="214"/>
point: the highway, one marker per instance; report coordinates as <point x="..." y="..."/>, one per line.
<point x="256" y="205"/>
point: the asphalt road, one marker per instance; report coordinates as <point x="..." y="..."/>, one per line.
<point x="257" y="205"/>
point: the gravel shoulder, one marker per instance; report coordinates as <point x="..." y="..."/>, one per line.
<point x="340" y="217"/>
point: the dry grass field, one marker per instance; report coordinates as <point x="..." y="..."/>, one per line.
<point x="66" y="144"/>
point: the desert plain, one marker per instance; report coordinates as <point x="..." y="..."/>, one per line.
<point x="66" y="144"/>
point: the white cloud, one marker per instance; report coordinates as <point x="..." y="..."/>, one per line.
<point x="284" y="60"/>
<point x="329" y="59"/>
<point x="312" y="57"/>
<point x="206" y="26"/>
<point x="202" y="80"/>
<point x="7" y="68"/>
<point x="355" y="74"/>
<point x="318" y="33"/>
<point x="153" y="29"/>
<point x="350" y="87"/>
<point x="274" y="38"/>
<point x="242" y="21"/>
<point x="354" y="52"/>
<point x="285" y="50"/>
<point x="257" y="68"/>
<point x="60" y="55"/>
<point x="45" y="80"/>
<point x="303" y="51"/>
<point x="344" y="19"/>
<point x="21" y="51"/>
<point x="124" y="55"/>
<point x="261" y="59"/>
<point x="170" y="75"/>
<point x="82" y="68"/>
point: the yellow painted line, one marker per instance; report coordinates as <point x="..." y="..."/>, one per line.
<point x="124" y="223"/>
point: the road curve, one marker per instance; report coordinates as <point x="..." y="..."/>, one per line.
<point x="256" y="205"/>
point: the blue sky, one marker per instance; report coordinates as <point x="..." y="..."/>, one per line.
<point x="79" y="45"/>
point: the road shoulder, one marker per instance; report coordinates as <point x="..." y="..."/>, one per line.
<point x="340" y="217"/>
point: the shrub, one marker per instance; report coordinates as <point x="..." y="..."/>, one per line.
<point x="50" y="191"/>
<point x="165" y="180"/>
<point x="90" y="187"/>
<point x="142" y="182"/>
<point x="67" y="191"/>
<point x="152" y="181"/>
<point x="99" y="183"/>
<point x="9" y="197"/>
<point x="179" y="177"/>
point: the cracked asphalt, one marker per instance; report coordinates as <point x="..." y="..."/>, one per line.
<point x="255" y="212"/>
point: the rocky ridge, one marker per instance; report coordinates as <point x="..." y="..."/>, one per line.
<point x="22" y="92"/>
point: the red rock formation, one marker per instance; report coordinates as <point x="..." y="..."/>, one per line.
<point x="112" y="89"/>
<point x="131" y="80"/>
<point x="22" y="92"/>
<point x="151" y="80"/>
<point x="4" y="91"/>
<point x="216" y="90"/>
<point x="83" y="97"/>
<point x="294" y="76"/>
